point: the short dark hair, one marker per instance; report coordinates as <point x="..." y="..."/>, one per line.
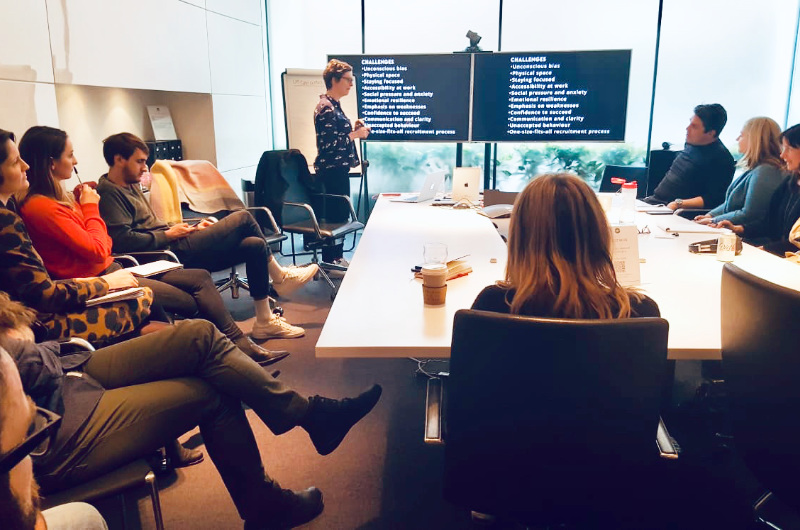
<point x="792" y="135"/>
<point x="5" y="136"/>
<point x="335" y="70"/>
<point x="124" y="145"/>
<point x="713" y="117"/>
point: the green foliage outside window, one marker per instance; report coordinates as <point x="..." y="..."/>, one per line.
<point x="402" y="166"/>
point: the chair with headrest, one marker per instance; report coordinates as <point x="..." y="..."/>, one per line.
<point x="762" y="377"/>
<point x="541" y="412"/>
<point x="199" y="189"/>
<point x="283" y="178"/>
<point x="660" y="162"/>
<point x="627" y="173"/>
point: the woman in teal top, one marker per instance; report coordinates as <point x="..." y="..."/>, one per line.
<point x="748" y="197"/>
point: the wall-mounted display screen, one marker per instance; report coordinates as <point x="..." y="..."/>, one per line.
<point x="550" y="96"/>
<point x="515" y="97"/>
<point x="413" y="97"/>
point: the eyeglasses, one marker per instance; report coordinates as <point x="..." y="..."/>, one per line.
<point x="349" y="80"/>
<point x="40" y="434"/>
<point x="645" y="230"/>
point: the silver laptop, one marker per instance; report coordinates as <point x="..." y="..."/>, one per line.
<point x="433" y="182"/>
<point x="466" y="183"/>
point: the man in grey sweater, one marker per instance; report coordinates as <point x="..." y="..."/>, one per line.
<point x="210" y="245"/>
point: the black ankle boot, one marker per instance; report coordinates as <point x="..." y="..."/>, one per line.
<point x="287" y="509"/>
<point x="329" y="420"/>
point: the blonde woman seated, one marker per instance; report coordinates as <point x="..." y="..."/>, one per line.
<point x="748" y="197"/>
<point x="559" y="258"/>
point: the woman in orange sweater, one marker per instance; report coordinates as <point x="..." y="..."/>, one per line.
<point x="73" y="242"/>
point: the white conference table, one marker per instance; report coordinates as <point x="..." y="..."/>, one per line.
<point x="379" y="312"/>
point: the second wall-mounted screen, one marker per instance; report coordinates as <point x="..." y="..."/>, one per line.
<point x="551" y="96"/>
<point x="413" y="97"/>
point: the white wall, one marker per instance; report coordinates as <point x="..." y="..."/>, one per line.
<point x="92" y="67"/>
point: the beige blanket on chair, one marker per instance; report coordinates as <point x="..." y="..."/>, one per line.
<point x="204" y="188"/>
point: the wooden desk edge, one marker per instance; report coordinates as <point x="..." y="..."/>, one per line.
<point x="387" y="352"/>
<point x="395" y="352"/>
<point x="694" y="354"/>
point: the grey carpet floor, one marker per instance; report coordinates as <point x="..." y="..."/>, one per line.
<point x="382" y="476"/>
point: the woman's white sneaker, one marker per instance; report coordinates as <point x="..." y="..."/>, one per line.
<point x="277" y="328"/>
<point x="295" y="277"/>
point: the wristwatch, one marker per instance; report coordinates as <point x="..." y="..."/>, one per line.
<point x="678" y="203"/>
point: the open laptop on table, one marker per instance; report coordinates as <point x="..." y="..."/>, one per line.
<point x="433" y="183"/>
<point x="466" y="184"/>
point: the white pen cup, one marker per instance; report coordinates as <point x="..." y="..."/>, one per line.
<point x="726" y="247"/>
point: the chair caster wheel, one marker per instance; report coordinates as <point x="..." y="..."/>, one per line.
<point x="278" y="310"/>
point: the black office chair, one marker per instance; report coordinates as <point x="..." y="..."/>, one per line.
<point x="114" y="483"/>
<point x="629" y="173"/>
<point x="660" y="162"/>
<point x="283" y="179"/>
<point x="762" y="376"/>
<point x="540" y="414"/>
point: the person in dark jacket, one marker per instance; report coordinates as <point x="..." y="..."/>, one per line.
<point x="122" y="402"/>
<point x="336" y="148"/>
<point x="134" y="227"/>
<point x="701" y="173"/>
<point x="22" y="426"/>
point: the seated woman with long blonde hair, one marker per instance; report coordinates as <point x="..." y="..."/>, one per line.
<point x="559" y="258"/>
<point x="748" y="197"/>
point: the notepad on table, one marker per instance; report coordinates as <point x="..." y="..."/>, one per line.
<point x="116" y="296"/>
<point x="156" y="267"/>
<point x="455" y="268"/>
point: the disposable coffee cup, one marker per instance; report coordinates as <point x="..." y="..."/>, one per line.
<point x="434" y="295"/>
<point x="434" y="274"/>
<point x="726" y="247"/>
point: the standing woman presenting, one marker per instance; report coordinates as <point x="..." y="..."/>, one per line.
<point x="336" y="149"/>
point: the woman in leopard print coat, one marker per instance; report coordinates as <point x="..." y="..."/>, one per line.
<point x="60" y="305"/>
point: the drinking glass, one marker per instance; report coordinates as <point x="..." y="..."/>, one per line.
<point x="434" y="253"/>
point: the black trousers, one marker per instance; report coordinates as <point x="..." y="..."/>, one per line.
<point x="234" y="239"/>
<point x="336" y="182"/>
<point x="190" y="293"/>
<point x="163" y="384"/>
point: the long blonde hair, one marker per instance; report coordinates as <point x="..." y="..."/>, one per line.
<point x="764" y="143"/>
<point x="559" y="253"/>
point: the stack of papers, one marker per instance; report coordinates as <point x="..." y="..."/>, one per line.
<point x="115" y="296"/>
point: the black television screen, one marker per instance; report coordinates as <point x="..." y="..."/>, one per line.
<point x="413" y="97"/>
<point x="550" y="96"/>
